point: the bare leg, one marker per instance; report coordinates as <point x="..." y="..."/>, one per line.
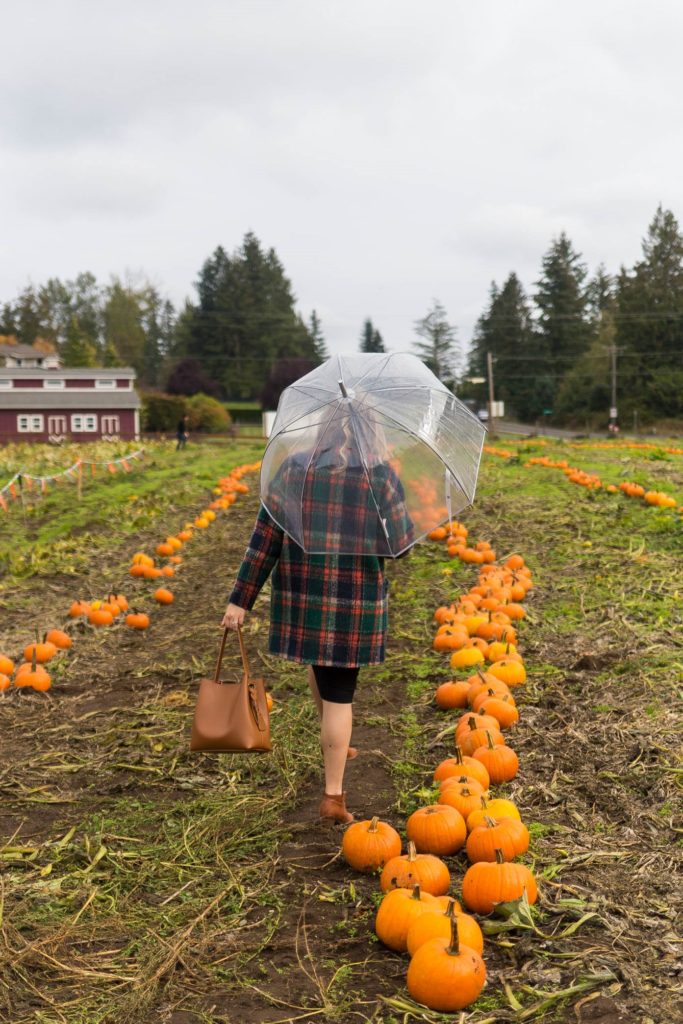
<point x="335" y="733"/>
<point x="315" y="692"/>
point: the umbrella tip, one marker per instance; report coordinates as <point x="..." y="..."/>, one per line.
<point x="342" y="388"/>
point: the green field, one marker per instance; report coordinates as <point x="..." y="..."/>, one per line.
<point x="140" y="882"/>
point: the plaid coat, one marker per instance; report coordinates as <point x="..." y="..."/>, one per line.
<point x="324" y="609"/>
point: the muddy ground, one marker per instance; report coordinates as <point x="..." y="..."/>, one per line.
<point x="113" y="733"/>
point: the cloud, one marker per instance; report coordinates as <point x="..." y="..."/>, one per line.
<point x="390" y="152"/>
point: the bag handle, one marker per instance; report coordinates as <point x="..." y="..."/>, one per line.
<point x="243" y="652"/>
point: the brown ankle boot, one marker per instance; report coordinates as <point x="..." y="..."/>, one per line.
<point x="333" y="807"/>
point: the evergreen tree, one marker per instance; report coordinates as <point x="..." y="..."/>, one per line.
<point x="439" y="348"/>
<point x="505" y="329"/>
<point x="77" y="349"/>
<point x="317" y="337"/>
<point x="85" y="302"/>
<point x="27" y="316"/>
<point x="244" y="319"/>
<point x="124" y="332"/>
<point x="562" y="306"/>
<point x="8" y="320"/>
<point x="371" y="339"/>
<point x="649" y="315"/>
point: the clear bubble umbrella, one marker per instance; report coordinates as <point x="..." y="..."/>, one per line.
<point x="369" y="453"/>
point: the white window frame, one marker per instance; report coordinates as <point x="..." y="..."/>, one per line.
<point x="83" y="423"/>
<point x="30" y="423"/>
<point x="5" y="383"/>
<point x="107" y="383"/>
<point x="54" y="382"/>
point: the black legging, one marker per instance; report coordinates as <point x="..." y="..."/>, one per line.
<point x="335" y="683"/>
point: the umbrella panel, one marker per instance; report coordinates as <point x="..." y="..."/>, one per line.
<point x="347" y="479"/>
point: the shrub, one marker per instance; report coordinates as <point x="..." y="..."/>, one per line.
<point x="160" y="411"/>
<point x="205" y="413"/>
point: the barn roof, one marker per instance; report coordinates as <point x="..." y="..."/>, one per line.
<point x="36" y="401"/>
<point x="72" y="372"/>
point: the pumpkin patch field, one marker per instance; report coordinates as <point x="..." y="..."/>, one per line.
<point x="518" y="845"/>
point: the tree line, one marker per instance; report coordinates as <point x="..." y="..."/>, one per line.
<point x="553" y="351"/>
<point x="242" y="338"/>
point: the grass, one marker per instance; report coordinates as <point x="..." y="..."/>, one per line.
<point x="152" y="900"/>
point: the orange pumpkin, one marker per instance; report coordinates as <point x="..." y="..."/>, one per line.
<point x="487" y="883"/>
<point x="397" y="911"/>
<point x="413" y="868"/>
<point x="437" y="828"/>
<point x="445" y="975"/>
<point x="368" y="845"/>
<point x="60" y="639"/>
<point x="437" y="923"/>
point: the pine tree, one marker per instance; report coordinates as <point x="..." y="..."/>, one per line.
<point x="439" y="348"/>
<point x="562" y="303"/>
<point x="505" y="329"/>
<point x="371" y="339"/>
<point x="244" y="319"/>
<point x="317" y="337"/>
<point x="649" y="316"/>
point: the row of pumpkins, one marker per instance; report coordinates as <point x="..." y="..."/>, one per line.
<point x="32" y="673"/>
<point x="417" y="915"/>
<point x="591" y="481"/>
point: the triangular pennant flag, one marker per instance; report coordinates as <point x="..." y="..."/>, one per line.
<point x="44" y="486"/>
<point x="13" y="490"/>
<point x="93" y="467"/>
<point x="125" y="465"/>
<point x="3" y="503"/>
<point x="28" y="480"/>
<point x="111" y="467"/>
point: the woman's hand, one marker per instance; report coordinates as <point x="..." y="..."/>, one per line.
<point x="234" y="616"/>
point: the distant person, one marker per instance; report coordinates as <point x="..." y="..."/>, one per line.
<point x="182" y="433"/>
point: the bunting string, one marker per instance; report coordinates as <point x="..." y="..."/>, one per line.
<point x="22" y="480"/>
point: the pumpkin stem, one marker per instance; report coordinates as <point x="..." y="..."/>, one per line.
<point x="373" y="825"/>
<point x="416" y="889"/>
<point x="491" y="822"/>
<point x="500" y="859"/>
<point x="450" y="909"/>
<point x="458" y="754"/>
<point x="472" y="722"/>
<point x="490" y="740"/>
<point x="412" y="852"/>
<point x="454" y="948"/>
<point x="484" y="803"/>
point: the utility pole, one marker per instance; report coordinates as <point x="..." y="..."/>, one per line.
<point x="489" y="371"/>
<point x="613" y="351"/>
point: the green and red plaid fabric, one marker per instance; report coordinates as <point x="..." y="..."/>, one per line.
<point x="324" y="609"/>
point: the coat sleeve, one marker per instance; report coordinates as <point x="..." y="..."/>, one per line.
<point x="260" y="557"/>
<point x="395" y="502"/>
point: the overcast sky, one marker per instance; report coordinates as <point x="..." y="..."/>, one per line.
<point x="390" y="151"/>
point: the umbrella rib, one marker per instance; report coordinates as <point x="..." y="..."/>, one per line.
<point x="428" y="387"/>
<point x="367" y="474"/>
<point x="369" y="369"/>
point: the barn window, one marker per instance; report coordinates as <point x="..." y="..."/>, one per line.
<point x="105" y="382"/>
<point x="53" y="382"/>
<point x="82" y="423"/>
<point x="5" y="383"/>
<point x="30" y="424"/>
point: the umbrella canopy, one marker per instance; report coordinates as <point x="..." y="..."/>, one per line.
<point x="368" y="453"/>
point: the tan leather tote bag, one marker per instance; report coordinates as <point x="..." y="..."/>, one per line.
<point x="231" y="714"/>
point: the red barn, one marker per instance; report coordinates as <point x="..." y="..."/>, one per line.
<point x="75" y="404"/>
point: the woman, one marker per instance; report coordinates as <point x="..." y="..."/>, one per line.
<point x="327" y="611"/>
